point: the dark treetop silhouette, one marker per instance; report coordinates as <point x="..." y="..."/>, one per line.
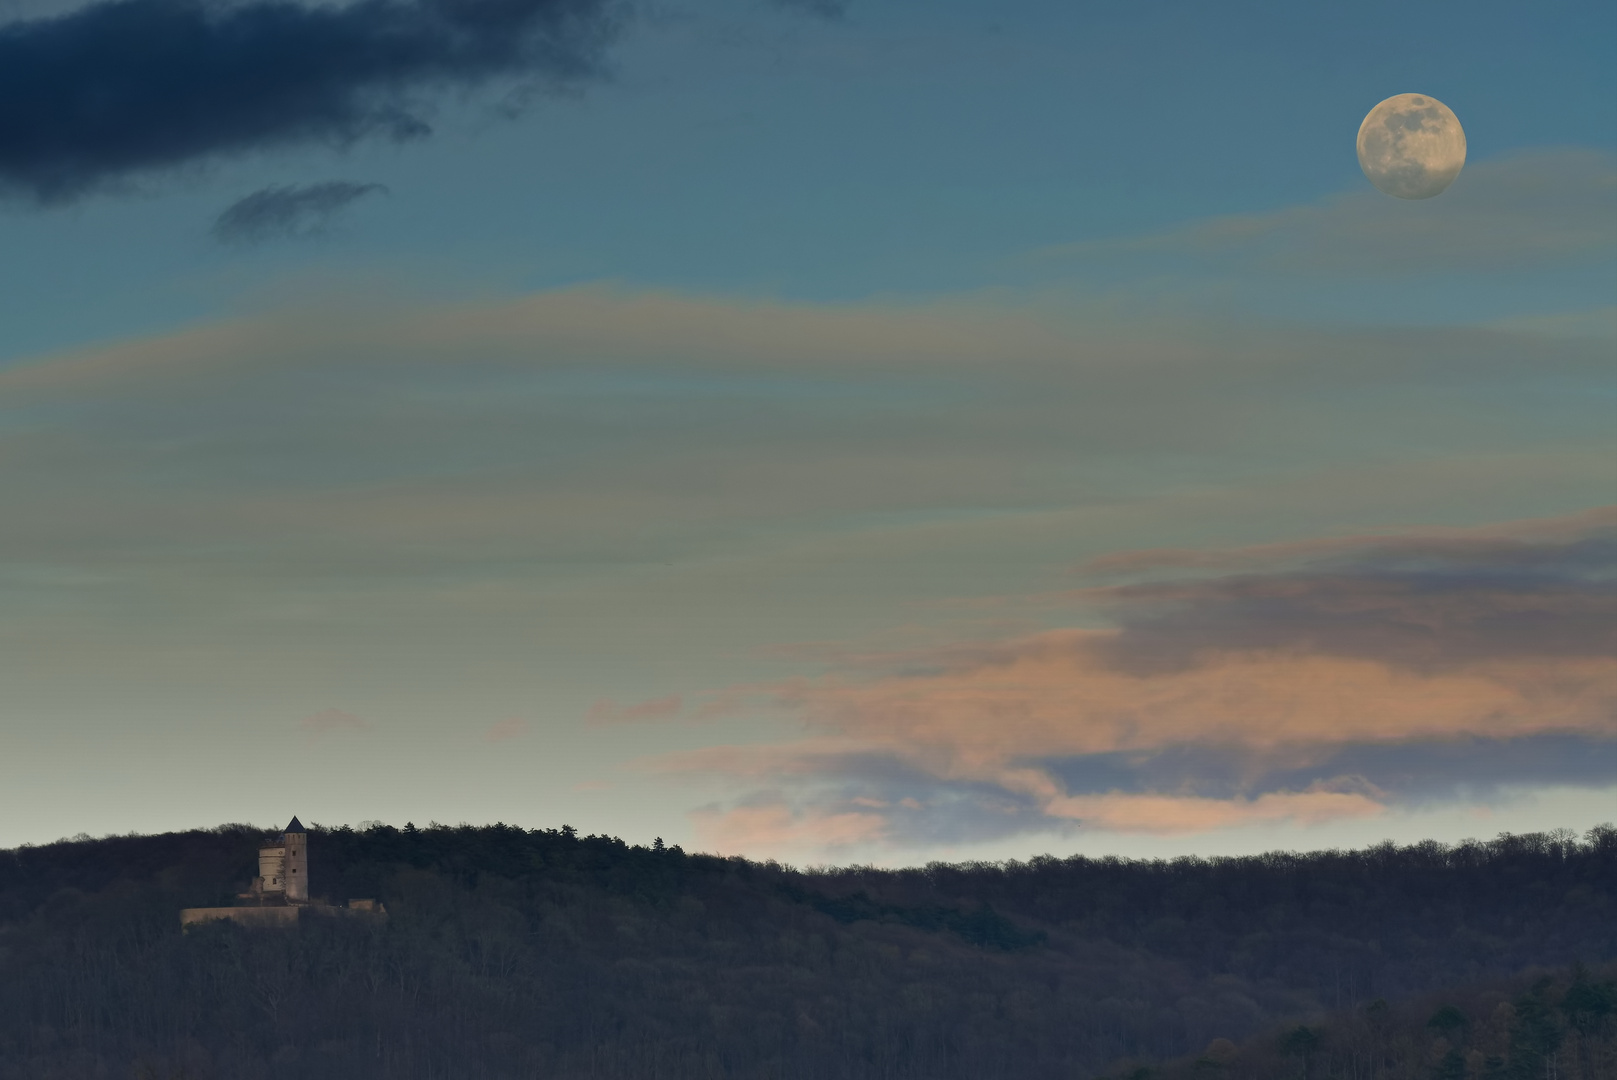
<point x="548" y="954"/>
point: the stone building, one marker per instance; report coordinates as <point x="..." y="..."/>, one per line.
<point x="280" y="894"/>
<point x="283" y="868"/>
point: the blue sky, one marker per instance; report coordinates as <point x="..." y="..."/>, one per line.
<point x="908" y="148"/>
<point x="632" y="455"/>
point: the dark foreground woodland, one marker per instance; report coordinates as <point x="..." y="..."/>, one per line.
<point x="544" y="954"/>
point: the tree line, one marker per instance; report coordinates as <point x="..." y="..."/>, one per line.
<point x="1559" y="1026"/>
<point x="542" y="953"/>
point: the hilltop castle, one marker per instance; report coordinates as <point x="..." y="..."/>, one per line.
<point x="283" y="869"/>
<point x="280" y="893"/>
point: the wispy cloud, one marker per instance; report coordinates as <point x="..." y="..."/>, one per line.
<point x="1119" y="812"/>
<point x="505" y="730"/>
<point x="432" y="473"/>
<point x="1595" y="323"/>
<point x="360" y="444"/>
<point x="1503" y="544"/>
<point x="773" y="827"/>
<point x="288" y="210"/>
<point x="610" y="712"/>
<point x="1537" y="207"/>
<point x="924" y="356"/>
<point x="331" y="721"/>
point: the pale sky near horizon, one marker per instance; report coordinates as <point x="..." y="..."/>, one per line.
<point x="941" y="430"/>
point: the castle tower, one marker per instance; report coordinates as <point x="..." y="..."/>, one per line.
<point x="297" y="863"/>
<point x="271" y="869"/>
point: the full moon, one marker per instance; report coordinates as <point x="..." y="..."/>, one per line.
<point x="1411" y="146"/>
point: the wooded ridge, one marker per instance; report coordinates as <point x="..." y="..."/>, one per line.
<point x="546" y="954"/>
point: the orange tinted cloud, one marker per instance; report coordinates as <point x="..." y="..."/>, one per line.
<point x="1053" y="694"/>
<point x="329" y="720"/>
<point x="1307" y="660"/>
<point x="607" y="711"/>
<point x="506" y="730"/>
<point x="1130" y="813"/>
<point x="775" y="827"/>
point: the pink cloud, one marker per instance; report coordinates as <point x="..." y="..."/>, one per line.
<point x="506" y="730"/>
<point x="607" y="711"/>
<point x="779" y="829"/>
<point x="331" y="720"/>
<point x="980" y="716"/>
<point x="1456" y="638"/>
<point x="1054" y="694"/>
<point x="1162" y="814"/>
<point x="729" y="702"/>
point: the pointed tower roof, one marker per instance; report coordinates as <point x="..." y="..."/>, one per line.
<point x="295" y="826"/>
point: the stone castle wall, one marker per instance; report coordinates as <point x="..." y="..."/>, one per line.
<point x="282" y="915"/>
<point x="247" y="916"/>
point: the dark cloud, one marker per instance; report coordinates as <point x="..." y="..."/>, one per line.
<point x="1464" y="768"/>
<point x="288" y="210"/>
<point x="1423" y="603"/>
<point x="130" y="86"/>
<point x="1413" y="771"/>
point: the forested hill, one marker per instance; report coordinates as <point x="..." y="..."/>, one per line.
<point x="513" y="953"/>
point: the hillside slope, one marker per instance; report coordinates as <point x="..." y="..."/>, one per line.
<point x="513" y="953"/>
